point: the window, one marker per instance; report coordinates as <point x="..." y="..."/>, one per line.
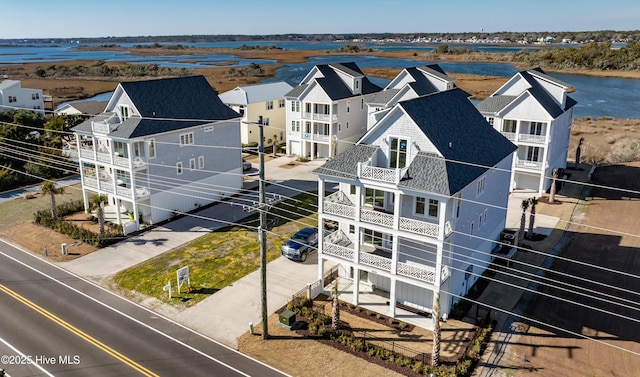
<point x="535" y="128"/>
<point x="509" y="125"/>
<point x="357" y="84"/>
<point x="295" y="125"/>
<point x="307" y="107"/>
<point x="201" y="162"/>
<point x="352" y="229"/>
<point x="433" y="208"/>
<point x="186" y="139"/>
<point x="419" y="208"/>
<point x="192" y="164"/>
<point x="398" y="155"/>
<point x="179" y="168"/>
<point x="459" y="202"/>
<point x="281" y="103"/>
<point x="352" y="189"/>
<point x="295" y="106"/>
<point x="348" y="106"/>
<point x="35" y="96"/>
<point x="362" y="104"/>
<point x="480" y="221"/>
<point x="371" y="237"/>
<point x="490" y="120"/>
<point x="374" y="197"/>
<point x="533" y="153"/>
<point x="265" y="121"/>
<point x="124" y="112"/>
<point x="480" y="186"/>
<point x="269" y="105"/>
<point x="151" y="148"/>
<point x="208" y="129"/>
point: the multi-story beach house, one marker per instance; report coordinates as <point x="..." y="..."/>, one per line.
<point x="259" y="100"/>
<point x="161" y="147"/>
<point x="533" y="110"/>
<point x="326" y="112"/>
<point x="417" y="204"/>
<point x="408" y="84"/>
<point x="13" y="96"/>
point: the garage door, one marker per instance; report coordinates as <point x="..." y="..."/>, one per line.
<point x="295" y="148"/>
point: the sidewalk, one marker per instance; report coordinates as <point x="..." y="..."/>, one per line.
<point x="225" y="315"/>
<point x="507" y="292"/>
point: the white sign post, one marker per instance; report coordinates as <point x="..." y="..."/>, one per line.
<point x="167" y="288"/>
<point x="183" y="274"/>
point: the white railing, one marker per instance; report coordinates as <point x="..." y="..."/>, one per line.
<point x="101" y="127"/>
<point x="417" y="271"/>
<point x="420" y="227"/>
<point x="123" y="191"/>
<point x="104" y="157"/>
<point x="139" y="162"/>
<point x="338" y="196"/>
<point x="91" y="182"/>
<point x="338" y="251"/>
<point x="121" y="161"/>
<point x="535" y="165"/>
<point x="375" y="217"/>
<point x="540" y="139"/>
<point x="376" y="261"/>
<point x="142" y="192"/>
<point x="320" y="137"/>
<point x="318" y="116"/>
<point x="380" y="174"/>
<point x="86" y="153"/>
<point x="339" y="209"/>
<point x="306" y="115"/>
<point x="509" y="135"/>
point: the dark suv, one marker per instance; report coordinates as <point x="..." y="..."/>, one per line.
<point x="301" y="244"/>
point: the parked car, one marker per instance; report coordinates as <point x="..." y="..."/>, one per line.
<point x="245" y="165"/>
<point x="301" y="244"/>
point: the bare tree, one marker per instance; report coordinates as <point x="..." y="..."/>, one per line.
<point x="523" y="220"/>
<point x="552" y="190"/>
<point x="335" y="308"/>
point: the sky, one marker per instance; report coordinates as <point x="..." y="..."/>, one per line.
<point x="82" y="18"/>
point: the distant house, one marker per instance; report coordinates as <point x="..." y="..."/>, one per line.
<point x="13" y="97"/>
<point x="326" y="112"/>
<point x="159" y="148"/>
<point x="420" y="202"/>
<point x="408" y="84"/>
<point x="81" y="108"/>
<point x="252" y="101"/>
<point x="533" y="110"/>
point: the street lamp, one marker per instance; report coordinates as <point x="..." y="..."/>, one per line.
<point x="262" y="234"/>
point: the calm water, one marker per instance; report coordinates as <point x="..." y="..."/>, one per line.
<point x="596" y="96"/>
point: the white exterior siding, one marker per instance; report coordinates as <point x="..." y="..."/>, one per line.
<point x="14" y="97"/>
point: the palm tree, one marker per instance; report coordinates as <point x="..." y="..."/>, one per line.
<point x="49" y="187"/>
<point x="523" y="220"/>
<point x="335" y="308"/>
<point x="275" y="141"/>
<point x="435" y="355"/>
<point x="552" y="190"/>
<point x="532" y="215"/>
<point x="97" y="201"/>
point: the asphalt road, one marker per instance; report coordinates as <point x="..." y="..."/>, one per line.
<point x="55" y="323"/>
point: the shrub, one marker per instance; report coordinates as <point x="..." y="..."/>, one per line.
<point x="402" y="325"/>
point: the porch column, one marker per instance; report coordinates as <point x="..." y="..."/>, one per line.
<point x="320" y="197"/>
<point x="118" y="218"/>
<point x="392" y="298"/>
<point x="396" y="210"/>
<point x="356" y="286"/>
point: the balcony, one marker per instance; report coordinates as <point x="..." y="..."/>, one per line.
<point x="526" y="164"/>
<point x="376" y="217"/>
<point x="374" y="173"/>
<point x="338" y="245"/>
<point x="534" y="139"/>
<point x="320" y="137"/>
<point x="374" y="260"/>
<point x="421" y="272"/>
<point x="509" y="135"/>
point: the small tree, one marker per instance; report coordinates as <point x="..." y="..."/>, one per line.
<point x="49" y="188"/>
<point x="532" y="215"/>
<point x="335" y="308"/>
<point x="435" y="355"/>
<point x="523" y="220"/>
<point x="97" y="202"/>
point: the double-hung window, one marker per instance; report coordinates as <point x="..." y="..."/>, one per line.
<point x="398" y="153"/>
<point x="186" y="139"/>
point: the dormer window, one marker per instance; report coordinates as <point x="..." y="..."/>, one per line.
<point x="124" y="112"/>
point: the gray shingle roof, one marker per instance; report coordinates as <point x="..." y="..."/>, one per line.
<point x="179" y="102"/>
<point x="381" y="97"/>
<point x="467" y="143"/>
<point x="345" y="165"/>
<point x="296" y="91"/>
<point x="495" y="103"/>
<point x="88" y="107"/>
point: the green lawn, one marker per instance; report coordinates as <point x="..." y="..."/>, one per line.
<point x="219" y="258"/>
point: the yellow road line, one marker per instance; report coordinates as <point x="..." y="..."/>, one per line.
<point x="144" y="371"/>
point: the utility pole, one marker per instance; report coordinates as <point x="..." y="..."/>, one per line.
<point x="262" y="235"/>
